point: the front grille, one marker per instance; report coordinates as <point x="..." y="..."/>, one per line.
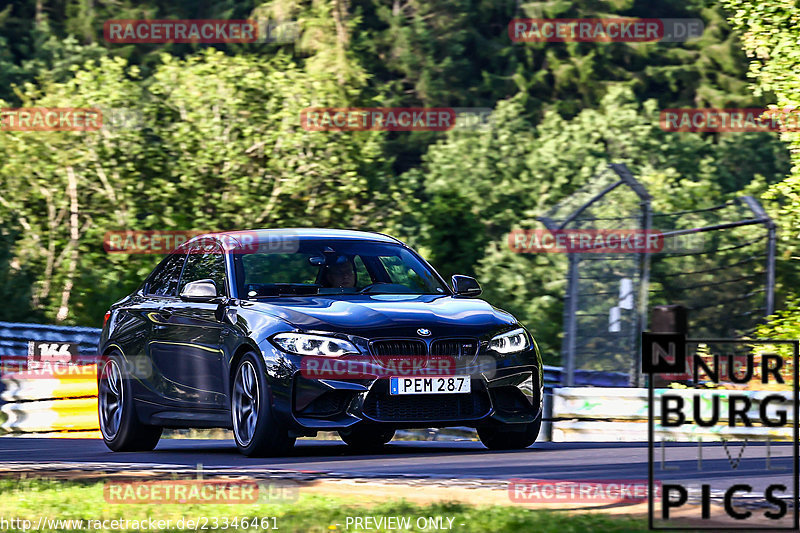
<point x="454" y="347"/>
<point x="381" y="406"/>
<point x="399" y="347"/>
<point x="451" y="347"/>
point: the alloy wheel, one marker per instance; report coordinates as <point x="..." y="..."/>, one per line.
<point x="111" y="398"/>
<point x="245" y="403"/>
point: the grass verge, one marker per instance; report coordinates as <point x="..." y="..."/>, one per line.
<point x="42" y="502"/>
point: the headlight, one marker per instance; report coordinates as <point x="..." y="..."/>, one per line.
<point x="307" y="344"/>
<point x="510" y="342"/>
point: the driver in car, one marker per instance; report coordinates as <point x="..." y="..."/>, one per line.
<point x="340" y="274"/>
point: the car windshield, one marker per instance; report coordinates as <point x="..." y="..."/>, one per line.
<point x="334" y="267"/>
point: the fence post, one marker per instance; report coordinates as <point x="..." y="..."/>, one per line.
<point x="770" y="300"/>
<point x="636" y="379"/>
<point x="571" y="309"/>
<point x="547" y="416"/>
<point x="669" y="319"/>
<point x="758" y="210"/>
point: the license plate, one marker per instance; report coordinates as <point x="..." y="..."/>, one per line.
<point x="432" y="385"/>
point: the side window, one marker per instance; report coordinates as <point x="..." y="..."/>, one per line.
<point x="362" y="275"/>
<point x="164" y="280"/>
<point x="205" y="263"/>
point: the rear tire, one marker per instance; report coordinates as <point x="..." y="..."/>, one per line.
<point x="366" y="439"/>
<point x="256" y="430"/>
<point x="120" y="426"/>
<point x="502" y="437"/>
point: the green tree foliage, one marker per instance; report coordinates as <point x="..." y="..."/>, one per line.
<point x="502" y="178"/>
<point x="15" y="282"/>
<point x="451" y="52"/>
<point x="214" y="141"/>
<point x="218" y="146"/>
<point x="770" y="36"/>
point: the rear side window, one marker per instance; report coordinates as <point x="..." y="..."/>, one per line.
<point x="208" y="263"/>
<point x="362" y="275"/>
<point x="164" y="279"/>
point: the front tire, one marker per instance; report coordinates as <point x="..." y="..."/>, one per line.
<point x="502" y="437"/>
<point x="121" y="429"/>
<point x="256" y="430"/>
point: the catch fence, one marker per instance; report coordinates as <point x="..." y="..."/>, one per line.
<point x="718" y="261"/>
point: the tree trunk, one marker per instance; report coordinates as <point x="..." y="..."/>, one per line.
<point x="74" y="236"/>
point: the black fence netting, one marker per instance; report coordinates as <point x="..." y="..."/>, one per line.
<point x="717" y="261"/>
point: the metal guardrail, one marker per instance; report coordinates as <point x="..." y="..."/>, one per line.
<point x="554" y="376"/>
<point x="14" y="337"/>
<point x="615" y="414"/>
<point x="45" y="403"/>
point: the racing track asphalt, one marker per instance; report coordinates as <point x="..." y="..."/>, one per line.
<point x="421" y="460"/>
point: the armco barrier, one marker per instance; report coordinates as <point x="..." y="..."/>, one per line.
<point x="18" y="387"/>
<point x="71" y="414"/>
<point x="614" y="414"/>
<point x="44" y="405"/>
<point x="585" y="378"/>
<point x="48" y="405"/>
<point x="14" y="337"/>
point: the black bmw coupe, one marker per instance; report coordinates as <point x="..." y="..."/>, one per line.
<point x="278" y="334"/>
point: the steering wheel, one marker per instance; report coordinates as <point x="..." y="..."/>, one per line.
<point x="371" y="285"/>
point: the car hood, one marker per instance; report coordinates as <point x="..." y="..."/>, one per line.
<point x="389" y="314"/>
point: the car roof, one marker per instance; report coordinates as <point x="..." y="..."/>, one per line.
<point x="303" y="234"/>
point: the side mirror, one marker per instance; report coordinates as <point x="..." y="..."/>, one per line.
<point x="465" y="286"/>
<point x="202" y="290"/>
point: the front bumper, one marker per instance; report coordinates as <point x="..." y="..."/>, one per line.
<point x="510" y="395"/>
